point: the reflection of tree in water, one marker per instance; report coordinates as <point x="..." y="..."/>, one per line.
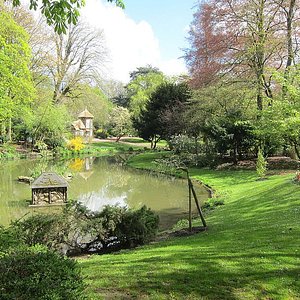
<point x="108" y="184"/>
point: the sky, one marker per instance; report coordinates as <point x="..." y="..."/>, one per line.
<point x="146" y="32"/>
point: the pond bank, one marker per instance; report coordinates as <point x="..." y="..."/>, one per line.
<point x="251" y="250"/>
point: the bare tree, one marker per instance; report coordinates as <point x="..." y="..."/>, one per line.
<point x="79" y="56"/>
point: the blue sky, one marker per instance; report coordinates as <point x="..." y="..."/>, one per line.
<point x="146" y="32"/>
<point x="169" y="19"/>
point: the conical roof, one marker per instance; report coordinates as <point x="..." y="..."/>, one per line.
<point x="47" y="180"/>
<point x="85" y="114"/>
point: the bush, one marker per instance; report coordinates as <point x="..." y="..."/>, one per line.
<point x="41" y="229"/>
<point x="182" y="143"/>
<point x="261" y="165"/>
<point x="37" y="273"/>
<point x="75" y="144"/>
<point x="9" y="238"/>
<point x="7" y="150"/>
<point x="137" y="227"/>
<point x="78" y="230"/>
<point x="101" y="134"/>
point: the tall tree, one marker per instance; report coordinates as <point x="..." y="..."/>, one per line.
<point x="160" y="118"/>
<point x="120" y="122"/>
<point x="16" y="87"/>
<point x="78" y="57"/>
<point x="143" y="83"/>
<point x="250" y="43"/>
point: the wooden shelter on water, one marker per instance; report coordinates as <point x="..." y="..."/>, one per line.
<point x="49" y="188"/>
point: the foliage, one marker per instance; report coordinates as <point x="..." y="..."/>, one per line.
<point x="62" y="12"/>
<point x="41" y="229"/>
<point x="7" y="150"/>
<point x="137" y="227"/>
<point x="9" y="239"/>
<point x="231" y="133"/>
<point x="37" y="273"/>
<point x="101" y="133"/>
<point x="16" y="88"/>
<point x="143" y="83"/>
<point x="182" y="143"/>
<point x="93" y="99"/>
<point x="76" y="144"/>
<point x="161" y="117"/>
<point x="49" y="124"/>
<point x="120" y="122"/>
<point x="261" y="164"/>
<point x="77" y="230"/>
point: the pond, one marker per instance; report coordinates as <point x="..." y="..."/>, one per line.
<point x="97" y="182"/>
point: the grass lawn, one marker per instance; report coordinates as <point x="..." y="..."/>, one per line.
<point x="137" y="140"/>
<point x="251" y="249"/>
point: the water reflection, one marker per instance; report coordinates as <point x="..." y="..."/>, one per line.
<point x="97" y="182"/>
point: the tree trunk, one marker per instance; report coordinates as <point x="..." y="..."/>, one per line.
<point x="297" y="151"/>
<point x="9" y="132"/>
<point x="290" y="50"/>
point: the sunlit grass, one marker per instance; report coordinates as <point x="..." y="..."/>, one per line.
<point x="251" y="249"/>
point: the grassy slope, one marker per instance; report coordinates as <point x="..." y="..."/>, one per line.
<point x="250" y="251"/>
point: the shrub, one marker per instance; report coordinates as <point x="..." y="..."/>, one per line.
<point x="137" y="227"/>
<point x="37" y="273"/>
<point x="78" y="230"/>
<point x="7" y="150"/>
<point x="9" y="238"/>
<point x="261" y="165"/>
<point x="75" y="144"/>
<point x="44" y="229"/>
<point x="182" y="143"/>
<point x="101" y="134"/>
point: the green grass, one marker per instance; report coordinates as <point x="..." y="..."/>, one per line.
<point x="117" y="147"/>
<point x="137" y="140"/>
<point x="134" y="140"/>
<point x="251" y="249"/>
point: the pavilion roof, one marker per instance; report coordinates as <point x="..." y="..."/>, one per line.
<point x="78" y="124"/>
<point x="85" y="114"/>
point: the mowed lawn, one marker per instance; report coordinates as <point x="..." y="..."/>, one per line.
<point x="251" y="249"/>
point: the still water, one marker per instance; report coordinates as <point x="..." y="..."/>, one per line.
<point x="97" y="182"/>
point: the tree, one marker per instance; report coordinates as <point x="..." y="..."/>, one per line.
<point x="143" y="83"/>
<point x="114" y="91"/>
<point x="244" y="40"/>
<point x="16" y="87"/>
<point x="160" y="118"/>
<point x="78" y="58"/>
<point x="93" y="99"/>
<point x="62" y="12"/>
<point x="120" y="122"/>
<point x="49" y="124"/>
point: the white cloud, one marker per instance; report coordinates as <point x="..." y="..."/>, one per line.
<point x="131" y="44"/>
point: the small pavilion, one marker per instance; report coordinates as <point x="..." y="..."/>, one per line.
<point x="84" y="125"/>
<point x="49" y="188"/>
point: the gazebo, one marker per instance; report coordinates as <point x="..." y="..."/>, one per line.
<point x="49" y="188"/>
<point x="84" y="125"/>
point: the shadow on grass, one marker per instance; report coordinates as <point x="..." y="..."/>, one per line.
<point x="209" y="276"/>
<point x="250" y="251"/>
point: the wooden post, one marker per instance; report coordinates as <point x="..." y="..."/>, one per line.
<point x="197" y="204"/>
<point x="190" y="208"/>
